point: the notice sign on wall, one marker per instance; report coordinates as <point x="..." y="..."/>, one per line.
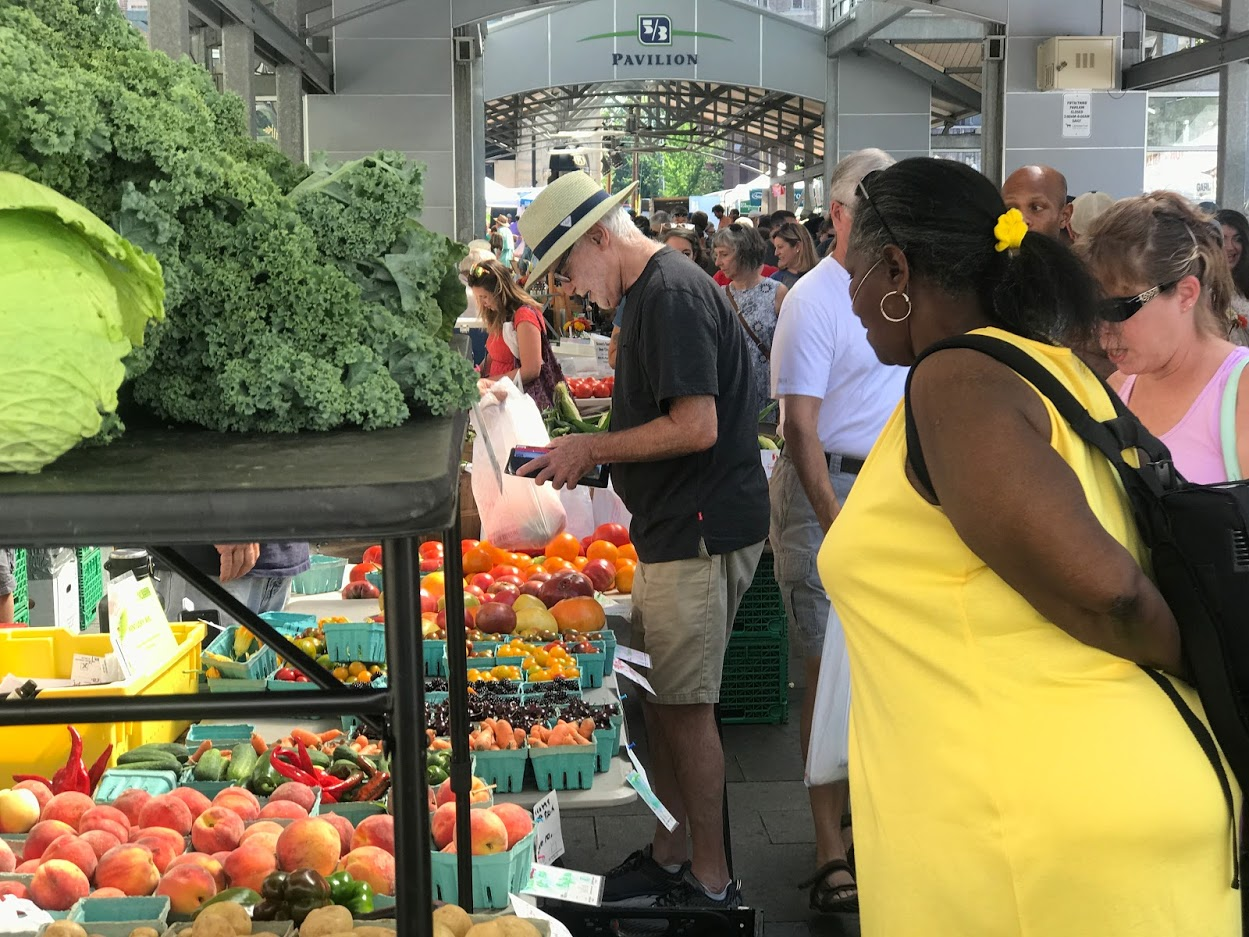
<point x="1078" y="114"/>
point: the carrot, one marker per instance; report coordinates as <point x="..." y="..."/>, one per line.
<point x="560" y="734"/>
<point x="537" y="743"/>
<point x="203" y="747"/>
<point x="587" y="728"/>
<point x="440" y="745"/>
<point x="520" y="737"/>
<point x="310" y="739"/>
<point x="503" y="732"/>
<point x="485" y="741"/>
<point x="374" y="749"/>
<point x="330" y="735"/>
<point x="430" y="735"/>
<point x="258" y="744"/>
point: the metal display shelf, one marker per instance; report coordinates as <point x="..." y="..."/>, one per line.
<point x="189" y="487"/>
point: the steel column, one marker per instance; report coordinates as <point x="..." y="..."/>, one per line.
<point x="1233" y="187"/>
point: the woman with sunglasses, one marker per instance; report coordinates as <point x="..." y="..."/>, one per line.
<point x="516" y="342"/>
<point x="1167" y="331"/>
<point x="795" y="253"/>
<point x="1013" y="769"/>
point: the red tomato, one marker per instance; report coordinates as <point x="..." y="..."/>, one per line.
<point x="431" y="549"/>
<point x="360" y="570"/>
<point x="373" y="555"/>
<point x="431" y="565"/>
<point x="612" y="533"/>
<point x="579" y="389"/>
<point x="466" y="545"/>
<point x="600" y="389"/>
<point x="500" y="571"/>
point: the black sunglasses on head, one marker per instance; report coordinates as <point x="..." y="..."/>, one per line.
<point x="863" y="193"/>
<point x="1122" y="308"/>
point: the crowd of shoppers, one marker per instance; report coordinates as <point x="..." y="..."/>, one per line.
<point x="1012" y="767"/>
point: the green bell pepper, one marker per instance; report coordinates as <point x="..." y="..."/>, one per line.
<point x="356" y="897"/>
<point x="265" y="778"/>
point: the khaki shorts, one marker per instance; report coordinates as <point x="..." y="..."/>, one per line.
<point x="682" y="614"/>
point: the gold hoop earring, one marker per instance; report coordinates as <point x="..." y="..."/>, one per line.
<point x="889" y="318"/>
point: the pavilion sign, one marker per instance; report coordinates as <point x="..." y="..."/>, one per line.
<point x="655" y="30"/>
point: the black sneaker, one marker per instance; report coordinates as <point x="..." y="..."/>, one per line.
<point x="689" y="893"/>
<point x="640" y="880"/>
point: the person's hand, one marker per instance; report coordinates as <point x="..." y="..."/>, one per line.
<point x="484" y="384"/>
<point x="568" y="461"/>
<point x="237" y="559"/>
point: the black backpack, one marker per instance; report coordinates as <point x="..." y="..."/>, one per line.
<point x="1198" y="538"/>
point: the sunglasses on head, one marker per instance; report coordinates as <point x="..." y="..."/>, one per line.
<point x="1122" y="308"/>
<point x="863" y="194"/>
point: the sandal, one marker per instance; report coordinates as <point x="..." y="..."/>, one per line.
<point x="828" y="898"/>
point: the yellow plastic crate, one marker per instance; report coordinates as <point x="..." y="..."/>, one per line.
<point x="49" y="652"/>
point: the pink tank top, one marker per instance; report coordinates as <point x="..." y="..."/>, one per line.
<point x="1194" y="441"/>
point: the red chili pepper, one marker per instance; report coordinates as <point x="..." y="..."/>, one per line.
<point x="19" y="778"/>
<point x="284" y="764"/>
<point x="97" y="769"/>
<point x="305" y="761"/>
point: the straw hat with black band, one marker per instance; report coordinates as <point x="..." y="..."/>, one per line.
<point x="561" y="215"/>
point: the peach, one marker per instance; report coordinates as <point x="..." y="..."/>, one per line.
<point x="101" y="841"/>
<point x="377" y="831"/>
<point x="222" y="856"/>
<point x="310" y="843"/>
<point x="210" y="865"/>
<point x="301" y="794"/>
<point x="16" y="889"/>
<point x="96" y="816"/>
<point x="249" y="865"/>
<point x="216" y="829"/>
<point x="478" y="794"/>
<point x="257" y="829"/>
<point x="187" y="887"/>
<point x="72" y="849"/>
<point x="237" y="792"/>
<point x="488" y="833"/>
<point x="128" y="867"/>
<point x="28" y="867"/>
<point x="108" y="893"/>
<point x="345" y="830"/>
<point x="68" y="808"/>
<point x="130" y="802"/>
<point x="42" y="792"/>
<point x="41" y="836"/>
<point x="8" y="861"/>
<point x="516" y="819"/>
<point x="373" y="865"/>
<point x="268" y="840"/>
<point x="163" y="848"/>
<point x="247" y="809"/>
<point x="57" y="885"/>
<point x="282" y="810"/>
<point x="19" y="811"/>
<point x="442" y="825"/>
<point x="196" y="802"/>
<point x="167" y="811"/>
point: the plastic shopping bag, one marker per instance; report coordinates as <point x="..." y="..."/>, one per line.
<point x="516" y="514"/>
<point x="828" y="757"/>
<point x="579" y="509"/>
<point x="609" y="509"/>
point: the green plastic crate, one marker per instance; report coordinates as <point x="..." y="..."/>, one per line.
<point x="324" y="575"/>
<point x="263" y="661"/>
<point x="504" y="769"/>
<point x="564" y="767"/>
<point x="755" y="686"/>
<point x="90" y="584"/>
<point x="493" y="876"/>
<point x="21" y="611"/>
<point x="364" y="641"/>
<point x="761" y="604"/>
<point x="606" y="745"/>
<point x="21" y="599"/>
<point x="290" y="624"/>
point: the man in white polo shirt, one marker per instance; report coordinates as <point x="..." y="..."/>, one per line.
<point x="835" y="398"/>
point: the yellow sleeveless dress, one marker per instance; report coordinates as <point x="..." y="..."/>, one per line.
<point x="1007" y="779"/>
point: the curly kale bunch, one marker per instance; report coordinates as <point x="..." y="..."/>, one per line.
<point x="295" y="298"/>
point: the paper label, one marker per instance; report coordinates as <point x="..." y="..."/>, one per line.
<point x="547" y="881"/>
<point x="139" y="630"/>
<point x="622" y="667"/>
<point x="524" y="909"/>
<point x="639" y="784"/>
<point x="548" y="834"/>
<point x="1078" y="114"/>
<point x="641" y="658"/>
<point x="93" y="671"/>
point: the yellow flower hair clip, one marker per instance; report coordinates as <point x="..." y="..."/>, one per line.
<point x="1010" y="229"/>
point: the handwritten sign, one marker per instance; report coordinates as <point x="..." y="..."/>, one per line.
<point x="547" y="881"/>
<point x="1078" y="114"/>
<point x="548" y="834"/>
<point x="621" y="667"/>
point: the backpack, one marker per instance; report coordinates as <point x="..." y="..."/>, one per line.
<point x="1198" y="538"/>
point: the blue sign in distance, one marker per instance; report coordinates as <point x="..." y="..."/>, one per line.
<point x="655" y="30"/>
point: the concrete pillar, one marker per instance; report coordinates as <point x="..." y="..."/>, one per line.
<point x="393" y="78"/>
<point x="169" y="27"/>
<point x="1233" y="190"/>
<point x="831" y="137"/>
<point x="290" y="90"/>
<point x="992" y="114"/>
<point x="199" y="47"/>
<point x="238" y="65"/>
<point x="1111" y="158"/>
<point x="790" y="204"/>
<point x="470" y="127"/>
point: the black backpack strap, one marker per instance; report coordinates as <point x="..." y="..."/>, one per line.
<point x="1211" y="751"/>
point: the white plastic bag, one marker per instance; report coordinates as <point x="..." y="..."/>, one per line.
<point x="579" y="510"/>
<point x="609" y="509"/>
<point x="828" y="757"/>
<point x="516" y="514"/>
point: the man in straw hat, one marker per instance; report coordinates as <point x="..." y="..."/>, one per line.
<point x="684" y="455"/>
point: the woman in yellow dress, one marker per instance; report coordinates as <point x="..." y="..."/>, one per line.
<point x="1014" y="770"/>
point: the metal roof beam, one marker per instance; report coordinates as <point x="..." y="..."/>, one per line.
<point x="1180" y="19"/>
<point x="945" y="86"/>
<point x="854" y="29"/>
<point x="931" y="27"/>
<point x="1189" y="63"/>
<point x="274" y="42"/>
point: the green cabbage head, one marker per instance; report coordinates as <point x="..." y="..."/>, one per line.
<point x="75" y="297"/>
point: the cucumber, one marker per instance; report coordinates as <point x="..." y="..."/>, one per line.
<point x="243" y="761"/>
<point x="145" y="766"/>
<point x="211" y="766"/>
<point x="145" y="754"/>
<point x="318" y="758"/>
<point x="181" y="752"/>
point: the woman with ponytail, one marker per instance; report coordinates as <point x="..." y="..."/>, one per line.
<point x="516" y="342"/>
<point x="1014" y="769"/>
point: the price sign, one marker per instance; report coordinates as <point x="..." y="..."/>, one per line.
<point x="565" y="885"/>
<point x="622" y="668"/>
<point x="641" y="658"/>
<point x="548" y="835"/>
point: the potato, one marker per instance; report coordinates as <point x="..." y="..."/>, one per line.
<point x="65" y="929"/>
<point x="488" y="929"/>
<point x="453" y="918"/>
<point x="147" y="932"/>
<point x="212" y="925"/>
<point x="233" y="914"/>
<point x="322" y="922"/>
<point x="366" y="931"/>
<point x="517" y="927"/>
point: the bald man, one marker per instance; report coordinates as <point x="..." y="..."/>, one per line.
<point x="1040" y="194"/>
